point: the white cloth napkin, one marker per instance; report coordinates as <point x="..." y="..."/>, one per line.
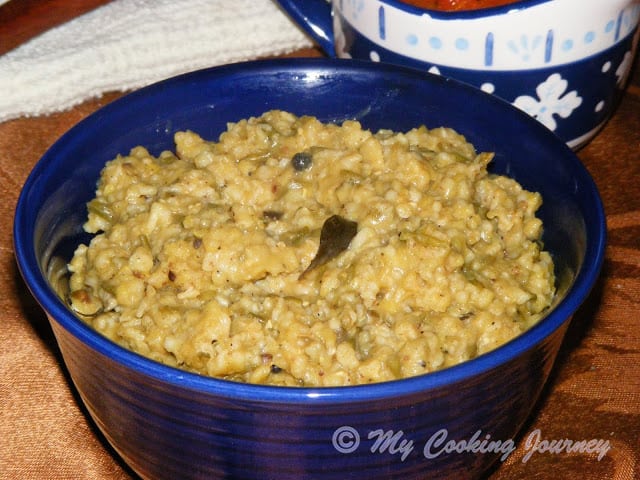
<point x="127" y="44"/>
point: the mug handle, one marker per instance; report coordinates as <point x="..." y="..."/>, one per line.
<point x="314" y="16"/>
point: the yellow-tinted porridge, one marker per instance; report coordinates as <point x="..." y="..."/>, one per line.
<point x="210" y="259"/>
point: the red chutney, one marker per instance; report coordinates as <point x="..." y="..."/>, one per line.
<point x="456" y="5"/>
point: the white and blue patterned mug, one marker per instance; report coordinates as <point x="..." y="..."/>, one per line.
<point x="565" y="62"/>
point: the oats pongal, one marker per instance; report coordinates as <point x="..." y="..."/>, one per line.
<point x="295" y="252"/>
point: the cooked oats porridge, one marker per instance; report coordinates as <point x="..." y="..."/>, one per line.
<point x="292" y="252"/>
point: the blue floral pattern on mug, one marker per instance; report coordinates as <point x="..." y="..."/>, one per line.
<point x="552" y="99"/>
<point x="567" y="75"/>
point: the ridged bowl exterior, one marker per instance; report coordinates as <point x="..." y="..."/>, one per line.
<point x="165" y="431"/>
<point x="170" y="424"/>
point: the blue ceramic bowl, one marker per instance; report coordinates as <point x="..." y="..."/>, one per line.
<point x="565" y="62"/>
<point x="166" y="423"/>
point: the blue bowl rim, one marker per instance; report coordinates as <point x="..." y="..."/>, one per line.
<point x="465" y="14"/>
<point x="56" y="310"/>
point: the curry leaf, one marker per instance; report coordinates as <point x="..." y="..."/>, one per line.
<point x="335" y="237"/>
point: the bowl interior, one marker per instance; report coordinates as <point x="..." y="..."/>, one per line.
<point x="52" y="205"/>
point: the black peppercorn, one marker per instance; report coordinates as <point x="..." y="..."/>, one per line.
<point x="301" y="161"/>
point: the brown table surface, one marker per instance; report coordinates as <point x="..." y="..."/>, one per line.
<point x="593" y="393"/>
